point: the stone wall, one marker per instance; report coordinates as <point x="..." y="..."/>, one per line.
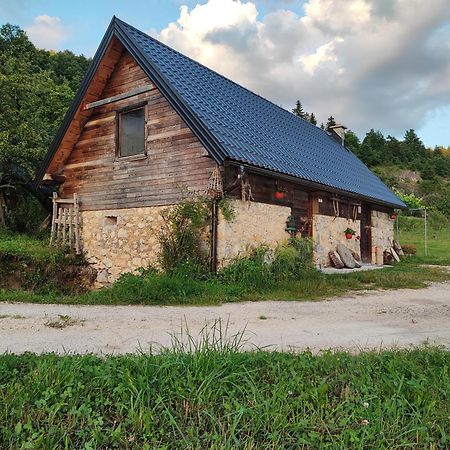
<point x="120" y="240"/>
<point x="328" y="232"/>
<point x="253" y="224"/>
<point x="382" y="230"/>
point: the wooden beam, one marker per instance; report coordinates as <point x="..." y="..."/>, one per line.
<point x="116" y="98"/>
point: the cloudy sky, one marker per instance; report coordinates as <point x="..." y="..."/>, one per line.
<point x="370" y="63"/>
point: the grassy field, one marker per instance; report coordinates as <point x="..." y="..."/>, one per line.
<point x="411" y="231"/>
<point x="219" y="398"/>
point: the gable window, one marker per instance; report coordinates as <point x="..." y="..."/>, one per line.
<point x="132" y="132"/>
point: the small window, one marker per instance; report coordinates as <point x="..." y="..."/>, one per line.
<point x="132" y="132"/>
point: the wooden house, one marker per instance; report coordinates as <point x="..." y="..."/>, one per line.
<point x="149" y="124"/>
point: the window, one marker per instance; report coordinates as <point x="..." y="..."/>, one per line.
<point x="132" y="132"/>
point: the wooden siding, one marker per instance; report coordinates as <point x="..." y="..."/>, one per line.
<point x="175" y="162"/>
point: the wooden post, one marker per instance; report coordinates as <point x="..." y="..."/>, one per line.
<point x="70" y="226"/>
<point x="54" y="217"/>
<point x="76" y="208"/>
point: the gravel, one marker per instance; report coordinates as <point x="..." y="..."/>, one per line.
<point x="371" y="320"/>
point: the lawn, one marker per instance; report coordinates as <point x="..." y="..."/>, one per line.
<point x="411" y="231"/>
<point x="220" y="398"/>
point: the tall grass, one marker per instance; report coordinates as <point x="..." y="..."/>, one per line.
<point x="216" y="397"/>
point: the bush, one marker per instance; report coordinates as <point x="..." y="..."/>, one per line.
<point x="264" y="267"/>
<point x="180" y="237"/>
<point x="409" y="249"/>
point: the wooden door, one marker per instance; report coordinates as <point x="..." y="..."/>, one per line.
<point x="366" y="234"/>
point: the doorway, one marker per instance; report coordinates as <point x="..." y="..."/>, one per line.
<point x="366" y="234"/>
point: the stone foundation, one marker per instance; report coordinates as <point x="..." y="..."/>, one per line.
<point x="120" y="240"/>
<point x="328" y="232"/>
<point x="253" y="224"/>
<point x="382" y="230"/>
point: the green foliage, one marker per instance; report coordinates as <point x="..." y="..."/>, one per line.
<point x="37" y="87"/>
<point x="330" y="123"/>
<point x="211" y="395"/>
<point x="298" y="110"/>
<point x="30" y="263"/>
<point x="226" y="207"/>
<point x="411" y="200"/>
<point x="180" y="236"/>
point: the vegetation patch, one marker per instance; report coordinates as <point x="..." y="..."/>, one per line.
<point x="63" y="321"/>
<point x="29" y="264"/>
<point x="217" y="397"/>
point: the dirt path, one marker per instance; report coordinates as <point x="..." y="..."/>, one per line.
<point x="383" y="319"/>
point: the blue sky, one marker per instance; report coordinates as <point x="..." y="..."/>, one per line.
<point x="367" y="62"/>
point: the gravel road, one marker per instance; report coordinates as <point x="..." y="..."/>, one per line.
<point x="401" y="318"/>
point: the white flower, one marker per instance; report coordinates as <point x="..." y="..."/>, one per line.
<point x="364" y="422"/>
<point x="366" y="405"/>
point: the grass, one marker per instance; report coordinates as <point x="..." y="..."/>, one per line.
<point x="217" y="397"/>
<point x="159" y="289"/>
<point x="26" y="246"/>
<point x="412" y="232"/>
<point x="63" y="321"/>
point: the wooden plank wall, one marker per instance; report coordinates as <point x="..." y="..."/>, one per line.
<point x="175" y="162"/>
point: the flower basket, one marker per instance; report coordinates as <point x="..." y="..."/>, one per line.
<point x="349" y="233"/>
<point x="279" y="195"/>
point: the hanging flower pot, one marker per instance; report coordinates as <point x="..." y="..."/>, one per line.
<point x="279" y="195"/>
<point x="393" y="216"/>
<point x="349" y="233"/>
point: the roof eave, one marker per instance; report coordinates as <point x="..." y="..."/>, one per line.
<point x="315" y="185"/>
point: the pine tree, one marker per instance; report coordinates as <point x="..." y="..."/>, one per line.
<point x="330" y="123"/>
<point x="312" y="119"/>
<point x="298" y="110"/>
<point x="322" y="126"/>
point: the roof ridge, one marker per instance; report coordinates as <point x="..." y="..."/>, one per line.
<point x="147" y="36"/>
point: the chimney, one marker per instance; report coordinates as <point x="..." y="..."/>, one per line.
<point x="338" y="132"/>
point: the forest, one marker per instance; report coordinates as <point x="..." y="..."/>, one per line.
<point x="38" y="85"/>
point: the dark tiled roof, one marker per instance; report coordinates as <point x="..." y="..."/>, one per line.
<point x="238" y="125"/>
<point x="253" y="130"/>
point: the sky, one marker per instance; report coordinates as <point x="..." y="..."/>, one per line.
<point x="382" y="64"/>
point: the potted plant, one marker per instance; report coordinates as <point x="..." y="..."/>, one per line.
<point x="280" y="191"/>
<point x="349" y="233"/>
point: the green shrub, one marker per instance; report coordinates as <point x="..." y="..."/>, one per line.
<point x="180" y="237"/>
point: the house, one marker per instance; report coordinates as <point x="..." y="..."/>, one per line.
<point x="149" y="123"/>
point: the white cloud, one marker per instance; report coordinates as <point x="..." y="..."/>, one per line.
<point x="47" y="32"/>
<point x="370" y="63"/>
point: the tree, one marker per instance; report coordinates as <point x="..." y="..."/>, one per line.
<point x="312" y="119"/>
<point x="298" y="110"/>
<point x="372" y="148"/>
<point x="352" y="142"/>
<point x="330" y="123"/>
<point x="32" y="106"/>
